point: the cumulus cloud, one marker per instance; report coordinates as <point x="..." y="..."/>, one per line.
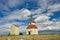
<point x="54" y="8"/>
<point x="47" y="24"/>
<point x="37" y="11"/>
<point x="18" y="14"/>
<point x="5" y="5"/>
<point x="7" y="26"/>
<point x="14" y="3"/>
<point x="43" y="4"/>
<point x="6" y="22"/>
<point x="41" y="18"/>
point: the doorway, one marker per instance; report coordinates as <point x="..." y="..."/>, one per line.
<point x="29" y="33"/>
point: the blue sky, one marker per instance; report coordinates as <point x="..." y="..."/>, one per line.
<point x="46" y="13"/>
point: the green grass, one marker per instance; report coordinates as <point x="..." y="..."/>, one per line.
<point x="33" y="37"/>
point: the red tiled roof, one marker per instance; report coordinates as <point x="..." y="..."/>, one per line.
<point x="31" y="27"/>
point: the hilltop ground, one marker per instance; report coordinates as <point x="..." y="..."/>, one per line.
<point x="32" y="37"/>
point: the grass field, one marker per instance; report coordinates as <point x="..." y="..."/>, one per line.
<point x="32" y="37"/>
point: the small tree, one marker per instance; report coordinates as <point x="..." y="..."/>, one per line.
<point x="20" y="33"/>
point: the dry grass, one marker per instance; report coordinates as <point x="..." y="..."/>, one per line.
<point x="32" y="37"/>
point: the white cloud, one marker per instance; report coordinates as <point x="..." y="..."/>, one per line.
<point x="14" y="3"/>
<point x="38" y="11"/>
<point x="7" y="26"/>
<point x="54" y="8"/>
<point x="42" y="19"/>
<point x="43" y="4"/>
<point x="18" y="14"/>
<point x="43" y="22"/>
<point x="48" y="25"/>
<point x="54" y="26"/>
<point x="5" y="5"/>
<point x="50" y="5"/>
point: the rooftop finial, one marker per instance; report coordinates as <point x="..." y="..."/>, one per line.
<point x="31" y="19"/>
